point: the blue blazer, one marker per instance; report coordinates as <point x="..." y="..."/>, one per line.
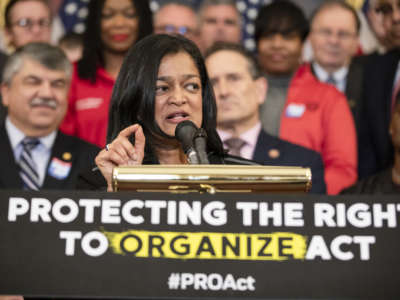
<point x="273" y="151"/>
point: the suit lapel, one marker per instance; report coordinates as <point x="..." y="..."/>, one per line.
<point x="9" y="175"/>
<point x="390" y="64"/>
<point x="263" y="147"/>
<point x="354" y="84"/>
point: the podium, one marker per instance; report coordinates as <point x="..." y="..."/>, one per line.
<point x="218" y="233"/>
<point x="212" y="179"/>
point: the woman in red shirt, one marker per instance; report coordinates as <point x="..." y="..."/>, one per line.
<point x="112" y="27"/>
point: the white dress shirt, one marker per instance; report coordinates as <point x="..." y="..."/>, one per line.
<point x="340" y="76"/>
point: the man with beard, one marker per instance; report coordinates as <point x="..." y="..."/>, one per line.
<point x="381" y="85"/>
<point x="35" y="155"/>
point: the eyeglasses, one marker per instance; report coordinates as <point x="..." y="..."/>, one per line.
<point x="27" y="23"/>
<point x="388" y="8"/>
<point x="183" y="30"/>
<point x="342" y="35"/>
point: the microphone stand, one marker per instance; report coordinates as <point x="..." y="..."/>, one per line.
<point x="200" y="144"/>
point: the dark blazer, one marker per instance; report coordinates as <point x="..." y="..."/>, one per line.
<point x="273" y="151"/>
<point x="3" y="109"/>
<point x="354" y="86"/>
<point x="375" y="149"/>
<point x="66" y="148"/>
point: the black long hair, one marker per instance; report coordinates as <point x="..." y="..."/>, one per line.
<point x="133" y="97"/>
<point x="93" y="46"/>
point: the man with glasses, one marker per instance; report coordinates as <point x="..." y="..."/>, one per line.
<point x="35" y="155"/>
<point x="381" y="85"/>
<point x="27" y="21"/>
<point x="177" y="17"/>
<point x="299" y="108"/>
<point x="334" y="39"/>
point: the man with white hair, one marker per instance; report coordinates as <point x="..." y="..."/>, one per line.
<point x="35" y="154"/>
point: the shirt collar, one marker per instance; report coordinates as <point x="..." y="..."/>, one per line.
<point x="338" y="75"/>
<point x="16" y="136"/>
<point x="250" y="136"/>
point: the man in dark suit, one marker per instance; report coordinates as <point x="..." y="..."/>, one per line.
<point x="334" y="40"/>
<point x="381" y="84"/>
<point x="34" y="154"/>
<point x="240" y="89"/>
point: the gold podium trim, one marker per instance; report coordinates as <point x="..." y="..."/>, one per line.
<point x="212" y="179"/>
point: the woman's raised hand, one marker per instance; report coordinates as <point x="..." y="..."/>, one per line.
<point x="121" y="152"/>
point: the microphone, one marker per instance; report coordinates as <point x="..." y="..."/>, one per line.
<point x="200" y="144"/>
<point x="185" y="132"/>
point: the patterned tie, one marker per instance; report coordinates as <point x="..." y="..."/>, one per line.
<point x="235" y="145"/>
<point x="28" y="168"/>
<point x="331" y="80"/>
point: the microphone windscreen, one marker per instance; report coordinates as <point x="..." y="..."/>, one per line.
<point x="184" y="132"/>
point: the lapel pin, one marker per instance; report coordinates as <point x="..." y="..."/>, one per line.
<point x="274" y="153"/>
<point x="66" y="156"/>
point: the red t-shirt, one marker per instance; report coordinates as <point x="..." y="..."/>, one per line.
<point x="88" y="106"/>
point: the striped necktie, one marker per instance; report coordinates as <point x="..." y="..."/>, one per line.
<point x="235" y="145"/>
<point x="28" y="168"/>
<point x="331" y="80"/>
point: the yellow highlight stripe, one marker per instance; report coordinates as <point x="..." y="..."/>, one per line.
<point x="208" y="245"/>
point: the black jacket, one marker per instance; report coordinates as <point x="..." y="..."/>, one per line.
<point x="375" y="150"/>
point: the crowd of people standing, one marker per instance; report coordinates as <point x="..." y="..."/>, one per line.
<point x="336" y="113"/>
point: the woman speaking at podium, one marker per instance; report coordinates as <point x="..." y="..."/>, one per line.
<point x="163" y="81"/>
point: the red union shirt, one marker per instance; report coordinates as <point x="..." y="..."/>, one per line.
<point x="88" y="106"/>
<point x="317" y="116"/>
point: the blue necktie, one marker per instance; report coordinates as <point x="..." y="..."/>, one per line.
<point x="331" y="80"/>
<point x="28" y="168"/>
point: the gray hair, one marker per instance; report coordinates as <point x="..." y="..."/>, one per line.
<point x="207" y="3"/>
<point x="336" y="3"/>
<point x="49" y="56"/>
<point x="184" y="3"/>
<point x="253" y="67"/>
